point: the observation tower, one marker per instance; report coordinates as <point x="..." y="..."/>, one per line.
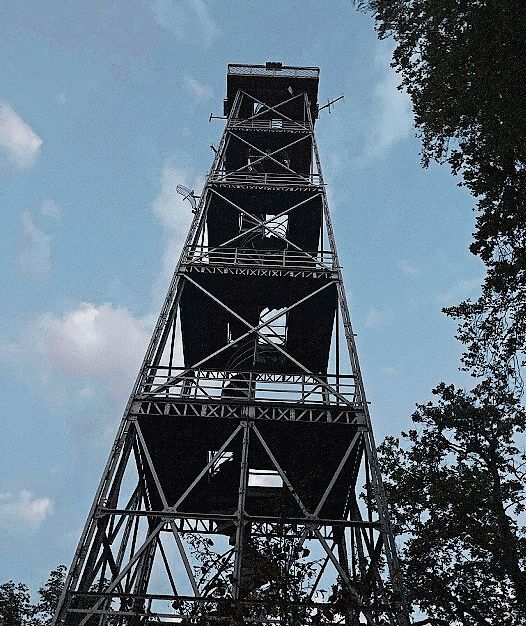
<point x="243" y="485"/>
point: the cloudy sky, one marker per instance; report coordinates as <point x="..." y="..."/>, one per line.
<point x="103" y="110"/>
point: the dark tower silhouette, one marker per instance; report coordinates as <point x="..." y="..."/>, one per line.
<point x="243" y="485"/>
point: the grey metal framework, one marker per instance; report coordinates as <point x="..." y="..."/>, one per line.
<point x="243" y="484"/>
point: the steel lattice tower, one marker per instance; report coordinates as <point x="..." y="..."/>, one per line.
<point x="243" y="485"/>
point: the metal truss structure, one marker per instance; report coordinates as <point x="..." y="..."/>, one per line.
<point x="243" y="486"/>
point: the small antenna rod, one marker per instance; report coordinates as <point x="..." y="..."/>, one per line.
<point x="330" y="103"/>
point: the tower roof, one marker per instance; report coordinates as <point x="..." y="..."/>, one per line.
<point x="272" y="82"/>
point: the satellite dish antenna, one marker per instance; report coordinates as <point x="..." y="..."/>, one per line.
<point x="188" y="195"/>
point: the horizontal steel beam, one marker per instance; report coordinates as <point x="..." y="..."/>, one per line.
<point x="300" y="521"/>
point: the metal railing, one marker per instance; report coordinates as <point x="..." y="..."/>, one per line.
<point x="286" y="259"/>
<point x="245" y="386"/>
<point x="287" y="71"/>
<point x="266" y="178"/>
<point x="272" y="124"/>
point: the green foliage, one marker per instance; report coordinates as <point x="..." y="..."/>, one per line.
<point x="457" y="487"/>
<point x="462" y="63"/>
<point x="15" y="606"/>
<point x="457" y="493"/>
<point x="15" y="602"/>
<point x="277" y="578"/>
<point x="49" y="595"/>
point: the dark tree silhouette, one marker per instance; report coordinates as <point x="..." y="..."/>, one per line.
<point x="15" y="605"/>
<point x="457" y="482"/>
<point x="16" y="608"/>
<point x="457" y="492"/>
<point x="462" y="63"/>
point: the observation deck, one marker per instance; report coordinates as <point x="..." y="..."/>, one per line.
<point x="272" y="83"/>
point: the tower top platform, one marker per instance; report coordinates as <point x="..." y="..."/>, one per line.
<point x="272" y="83"/>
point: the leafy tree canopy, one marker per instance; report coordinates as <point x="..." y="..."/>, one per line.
<point x="457" y="496"/>
<point x="16" y="608"/>
<point x="462" y="63"/>
<point x="457" y="484"/>
<point x="15" y="605"/>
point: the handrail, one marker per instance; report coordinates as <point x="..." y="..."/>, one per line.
<point x="264" y="387"/>
<point x="272" y="123"/>
<point x="288" y="259"/>
<point x="244" y="353"/>
<point x="266" y="178"/>
<point x="288" y="71"/>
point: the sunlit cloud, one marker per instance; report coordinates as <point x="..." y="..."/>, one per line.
<point x="24" y="508"/>
<point x="19" y="144"/>
<point x="392" y="118"/>
<point x="101" y="346"/>
<point x="189" y="20"/>
<point x="175" y="214"/>
<point x="49" y="208"/>
<point x="409" y="269"/>
<point x="34" y="249"/>
<point x="101" y="342"/>
<point x="375" y="318"/>
<point x="198" y="90"/>
<point x="460" y="290"/>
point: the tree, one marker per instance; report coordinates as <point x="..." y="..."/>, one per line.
<point x="277" y="577"/>
<point x="15" y="601"/>
<point x="457" y="493"/>
<point x="462" y="63"/>
<point x="15" y="606"/>
<point x="457" y="488"/>
<point x="49" y="595"/>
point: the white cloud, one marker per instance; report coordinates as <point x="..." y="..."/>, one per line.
<point x="24" y="508"/>
<point x="460" y="290"/>
<point x="19" y="144"/>
<point x="34" y="249"/>
<point x="375" y="318"/>
<point x="175" y="214"/>
<point x="408" y="268"/>
<point x="198" y="90"/>
<point x="99" y="342"/>
<point x="189" y="20"/>
<point x="392" y="118"/>
<point x="101" y="346"/>
<point x="50" y="209"/>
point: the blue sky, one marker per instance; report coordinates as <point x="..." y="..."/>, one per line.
<point x="104" y="110"/>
